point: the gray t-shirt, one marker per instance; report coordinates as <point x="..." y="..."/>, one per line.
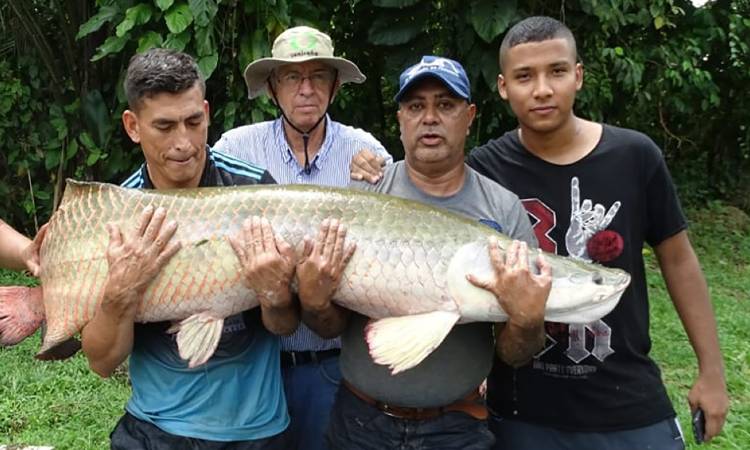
<point x="464" y="358"/>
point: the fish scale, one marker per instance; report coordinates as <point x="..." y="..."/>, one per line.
<point x="411" y="261"/>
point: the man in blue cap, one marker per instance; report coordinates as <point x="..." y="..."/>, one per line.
<point x="437" y="404"/>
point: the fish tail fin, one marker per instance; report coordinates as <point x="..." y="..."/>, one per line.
<point x="58" y="350"/>
<point x="197" y="337"/>
<point x="403" y="342"/>
<point x="21" y="313"/>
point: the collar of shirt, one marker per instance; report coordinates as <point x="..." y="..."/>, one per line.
<point x="205" y="176"/>
<point x="318" y="159"/>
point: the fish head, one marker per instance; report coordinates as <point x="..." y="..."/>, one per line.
<point x="581" y="292"/>
<point x="584" y="292"/>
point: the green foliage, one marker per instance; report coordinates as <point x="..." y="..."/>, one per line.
<point x="664" y="67"/>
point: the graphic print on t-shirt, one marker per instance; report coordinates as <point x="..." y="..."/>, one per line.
<point x="583" y="340"/>
<point x="586" y="219"/>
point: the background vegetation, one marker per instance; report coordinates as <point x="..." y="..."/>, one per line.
<point x="66" y="405"/>
<point x="664" y="67"/>
<point x="661" y="66"/>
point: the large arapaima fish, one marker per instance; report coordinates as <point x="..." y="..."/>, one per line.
<point x="408" y="272"/>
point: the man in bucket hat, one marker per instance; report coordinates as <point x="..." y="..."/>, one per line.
<point x="436" y="404"/>
<point x="303" y="146"/>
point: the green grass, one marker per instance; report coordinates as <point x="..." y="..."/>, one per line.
<point x="65" y="405"/>
<point x="721" y="238"/>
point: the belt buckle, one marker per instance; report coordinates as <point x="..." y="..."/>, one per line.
<point x="402" y="413"/>
<point x="388" y="411"/>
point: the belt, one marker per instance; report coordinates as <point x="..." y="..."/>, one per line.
<point x="468" y="405"/>
<point x="292" y="359"/>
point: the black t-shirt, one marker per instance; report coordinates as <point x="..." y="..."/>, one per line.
<point x="594" y="377"/>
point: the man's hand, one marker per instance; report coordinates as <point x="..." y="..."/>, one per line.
<point x="523" y="296"/>
<point x="30" y="254"/>
<point x="267" y="262"/>
<point x="323" y="262"/>
<point x="521" y="293"/>
<point x="709" y="393"/>
<point x="135" y="259"/>
<point x="367" y="166"/>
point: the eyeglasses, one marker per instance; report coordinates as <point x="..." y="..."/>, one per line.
<point x="318" y="79"/>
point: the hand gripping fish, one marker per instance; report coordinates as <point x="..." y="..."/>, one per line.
<point x="408" y="273"/>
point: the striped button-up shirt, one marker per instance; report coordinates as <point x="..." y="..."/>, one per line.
<point x="264" y="144"/>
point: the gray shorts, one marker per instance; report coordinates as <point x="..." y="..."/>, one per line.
<point x="516" y="435"/>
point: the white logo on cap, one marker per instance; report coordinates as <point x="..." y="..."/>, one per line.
<point x="436" y="64"/>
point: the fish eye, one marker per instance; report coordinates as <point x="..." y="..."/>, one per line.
<point x="597" y="278"/>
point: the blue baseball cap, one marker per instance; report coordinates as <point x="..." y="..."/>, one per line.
<point x="446" y="70"/>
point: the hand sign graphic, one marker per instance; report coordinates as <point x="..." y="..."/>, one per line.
<point x="586" y="219"/>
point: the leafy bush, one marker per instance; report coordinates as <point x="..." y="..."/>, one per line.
<point x="664" y="67"/>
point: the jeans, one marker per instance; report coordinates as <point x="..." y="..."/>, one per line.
<point x="310" y="390"/>
<point x="355" y="425"/>
<point x="134" y="434"/>
<point x="516" y="435"/>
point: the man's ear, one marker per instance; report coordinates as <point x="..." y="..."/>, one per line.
<point x="131" y="125"/>
<point x="472" y="112"/>
<point x="579" y="76"/>
<point x="501" y="88"/>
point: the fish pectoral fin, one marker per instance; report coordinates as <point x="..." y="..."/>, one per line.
<point x="197" y="337"/>
<point x="403" y="342"/>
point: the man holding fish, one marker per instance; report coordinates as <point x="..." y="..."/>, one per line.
<point x="236" y="396"/>
<point x="436" y="404"/>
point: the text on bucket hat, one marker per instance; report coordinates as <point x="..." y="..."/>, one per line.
<point x="298" y="45"/>
<point x="446" y="70"/>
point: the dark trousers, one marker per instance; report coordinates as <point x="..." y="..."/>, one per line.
<point x="355" y="425"/>
<point x="310" y="389"/>
<point x="516" y="435"/>
<point x="134" y="434"/>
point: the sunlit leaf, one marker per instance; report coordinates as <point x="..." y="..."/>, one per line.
<point x="149" y="40"/>
<point x="178" y="18"/>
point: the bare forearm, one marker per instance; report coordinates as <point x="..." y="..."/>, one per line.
<point x="107" y="340"/>
<point x="281" y="320"/>
<point x="12" y="244"/>
<point x="689" y="292"/>
<point x="516" y="345"/>
<point x="327" y="322"/>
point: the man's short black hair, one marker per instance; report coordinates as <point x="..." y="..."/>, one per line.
<point x="160" y="70"/>
<point x="536" y="29"/>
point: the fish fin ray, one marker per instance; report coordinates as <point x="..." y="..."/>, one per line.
<point x="403" y="342"/>
<point x="21" y="313"/>
<point x="197" y="337"/>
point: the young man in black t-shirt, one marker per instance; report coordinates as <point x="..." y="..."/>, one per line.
<point x="594" y="192"/>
